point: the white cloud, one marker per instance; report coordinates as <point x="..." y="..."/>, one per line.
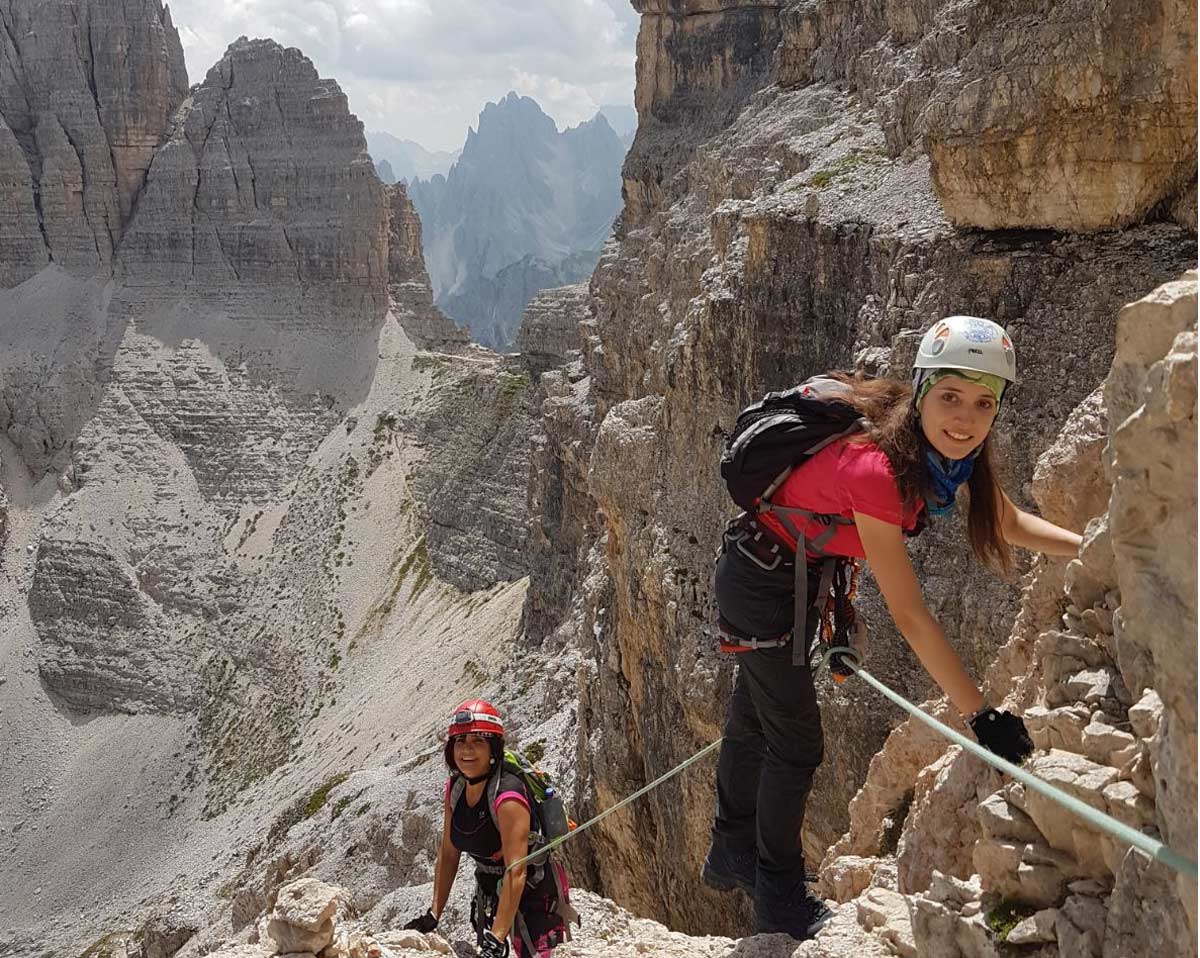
<point x="423" y="69"/>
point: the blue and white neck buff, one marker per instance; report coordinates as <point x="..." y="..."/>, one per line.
<point x="945" y="476"/>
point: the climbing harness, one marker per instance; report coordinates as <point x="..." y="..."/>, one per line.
<point x="832" y="600"/>
<point x="839" y="618"/>
<point x="1106" y="823"/>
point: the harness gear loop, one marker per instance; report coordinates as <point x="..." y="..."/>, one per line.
<point x="838" y="617"/>
<point x="806" y="547"/>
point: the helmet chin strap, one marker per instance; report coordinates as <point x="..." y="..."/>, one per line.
<point x="476" y="779"/>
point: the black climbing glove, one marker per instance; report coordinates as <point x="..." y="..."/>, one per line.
<point x="492" y="947"/>
<point x="424" y="924"/>
<point x="1003" y="734"/>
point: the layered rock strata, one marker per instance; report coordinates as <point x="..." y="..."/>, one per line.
<point x="86" y="98"/>
<point x="1033" y="115"/>
<point x="774" y="229"/>
<point x="409" y="290"/>
<point x="475" y="430"/>
<point x="552" y="328"/>
<point x="237" y="235"/>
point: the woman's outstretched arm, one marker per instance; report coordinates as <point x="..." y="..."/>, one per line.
<point x="887" y="555"/>
<point x="514" y="844"/>
<point x="1032" y="532"/>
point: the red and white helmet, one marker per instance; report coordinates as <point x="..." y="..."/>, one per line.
<point x="478" y="716"/>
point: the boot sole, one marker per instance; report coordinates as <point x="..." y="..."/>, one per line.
<point x="807" y="934"/>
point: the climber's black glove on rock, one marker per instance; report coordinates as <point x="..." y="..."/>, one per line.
<point x="1003" y="734"/>
<point x="425" y="924"/>
<point x="492" y="947"/>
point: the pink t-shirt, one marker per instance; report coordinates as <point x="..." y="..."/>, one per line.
<point x="842" y="479"/>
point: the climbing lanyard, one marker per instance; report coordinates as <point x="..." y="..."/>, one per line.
<point x="1118" y="830"/>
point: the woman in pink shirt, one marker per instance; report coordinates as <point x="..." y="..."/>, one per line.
<point x="869" y="491"/>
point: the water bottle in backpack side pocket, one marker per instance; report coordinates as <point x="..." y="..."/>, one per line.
<point x="553" y="815"/>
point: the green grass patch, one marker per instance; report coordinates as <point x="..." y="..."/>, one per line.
<point x="844" y="164"/>
<point x="340" y="806"/>
<point x="1005" y="916"/>
<point x="106" y="947"/>
<point x="535" y="751"/>
<point x="510" y="385"/>
<point x="316" y="801"/>
<point x="416" y="564"/>
<point x="302" y="808"/>
<point x="473" y="671"/>
<point x="436" y="365"/>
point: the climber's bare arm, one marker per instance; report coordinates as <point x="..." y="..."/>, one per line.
<point x="446" y="866"/>
<point x="514" y="845"/>
<point x="888" y="558"/>
<point x="1032" y="532"/>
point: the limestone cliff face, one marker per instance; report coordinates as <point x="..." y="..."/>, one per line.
<point x="238" y="235"/>
<point x="698" y="63"/>
<point x="1061" y="116"/>
<point x="86" y="97"/>
<point x="409" y="288"/>
<point x="262" y="160"/>
<point x="775" y="227"/>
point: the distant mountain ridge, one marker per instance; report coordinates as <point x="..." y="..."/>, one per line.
<point x="525" y="207"/>
<point x="399" y="160"/>
<point x="623" y="119"/>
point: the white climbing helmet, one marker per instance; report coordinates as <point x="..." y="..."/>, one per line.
<point x="968" y="342"/>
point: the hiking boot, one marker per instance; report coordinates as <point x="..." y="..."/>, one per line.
<point x="725" y="869"/>
<point x="800" y="914"/>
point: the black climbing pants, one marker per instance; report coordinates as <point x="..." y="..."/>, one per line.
<point x="773" y="741"/>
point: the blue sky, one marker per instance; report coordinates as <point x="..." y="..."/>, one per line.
<point x="423" y="69"/>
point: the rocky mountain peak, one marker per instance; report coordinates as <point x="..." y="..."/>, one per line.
<point x="513" y="112"/>
<point x="524" y="208"/>
<point x="263" y="156"/>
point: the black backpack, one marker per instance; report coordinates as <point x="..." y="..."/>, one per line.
<point x="770" y="439"/>
<point x="780" y="432"/>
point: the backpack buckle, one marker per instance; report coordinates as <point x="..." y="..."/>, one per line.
<point x="771" y="566"/>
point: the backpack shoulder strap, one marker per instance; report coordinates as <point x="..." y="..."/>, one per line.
<point x="457" y="787"/>
<point x="491" y="793"/>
